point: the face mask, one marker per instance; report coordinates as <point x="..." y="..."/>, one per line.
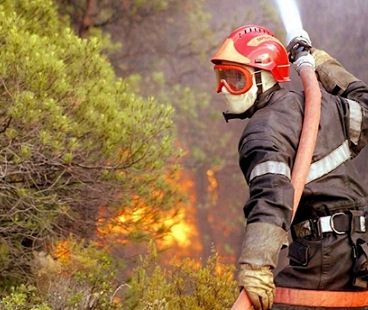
<point x="238" y="104"/>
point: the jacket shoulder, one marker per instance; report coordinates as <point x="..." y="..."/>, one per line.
<point x="282" y="115"/>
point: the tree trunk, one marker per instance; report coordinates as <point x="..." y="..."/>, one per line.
<point x="88" y="19"/>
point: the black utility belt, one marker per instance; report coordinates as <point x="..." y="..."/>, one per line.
<point x="338" y="223"/>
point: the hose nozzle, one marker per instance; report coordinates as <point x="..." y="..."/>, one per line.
<point x="299" y="45"/>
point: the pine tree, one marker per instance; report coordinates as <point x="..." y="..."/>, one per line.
<point x="74" y="138"/>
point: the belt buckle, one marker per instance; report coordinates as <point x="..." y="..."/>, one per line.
<point x="333" y="225"/>
<point x="324" y="225"/>
<point x="362" y="225"/>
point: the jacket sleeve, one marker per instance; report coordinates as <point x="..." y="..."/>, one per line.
<point x="337" y="80"/>
<point x="267" y="150"/>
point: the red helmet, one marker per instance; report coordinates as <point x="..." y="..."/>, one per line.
<point x="256" y="47"/>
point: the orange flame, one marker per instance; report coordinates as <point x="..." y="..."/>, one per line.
<point x="178" y="225"/>
<point x="184" y="235"/>
<point x="61" y="251"/>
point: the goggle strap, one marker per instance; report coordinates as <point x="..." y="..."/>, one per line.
<point x="258" y="78"/>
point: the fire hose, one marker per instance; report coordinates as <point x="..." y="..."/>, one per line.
<point x="303" y="158"/>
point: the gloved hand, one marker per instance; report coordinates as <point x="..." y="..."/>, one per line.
<point x="299" y="46"/>
<point x="258" y="284"/>
<point x="299" y="51"/>
<point x="259" y="255"/>
<point x="304" y="60"/>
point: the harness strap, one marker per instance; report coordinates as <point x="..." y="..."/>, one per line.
<point x="327" y="299"/>
<point x="360" y="250"/>
<point x="338" y="223"/>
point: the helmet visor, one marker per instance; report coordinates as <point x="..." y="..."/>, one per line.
<point x="237" y="79"/>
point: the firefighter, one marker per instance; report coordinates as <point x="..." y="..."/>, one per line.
<point x="329" y="250"/>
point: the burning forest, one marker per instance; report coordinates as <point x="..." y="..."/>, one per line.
<point x="122" y="187"/>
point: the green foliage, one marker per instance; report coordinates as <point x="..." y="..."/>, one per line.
<point x="186" y="285"/>
<point x="102" y="12"/>
<point x="23" y="298"/>
<point x="78" y="275"/>
<point x="73" y="136"/>
<point x="155" y="5"/>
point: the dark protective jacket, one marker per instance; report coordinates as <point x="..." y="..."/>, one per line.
<point x="337" y="183"/>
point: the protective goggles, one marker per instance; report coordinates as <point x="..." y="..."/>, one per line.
<point x="236" y="79"/>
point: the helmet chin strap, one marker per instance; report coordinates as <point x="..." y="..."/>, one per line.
<point x="258" y="78"/>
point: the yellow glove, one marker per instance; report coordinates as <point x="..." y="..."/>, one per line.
<point x="333" y="76"/>
<point x="320" y="56"/>
<point x="258" y="284"/>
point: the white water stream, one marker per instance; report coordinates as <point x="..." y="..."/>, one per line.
<point x="290" y="16"/>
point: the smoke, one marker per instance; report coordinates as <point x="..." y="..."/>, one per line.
<point x="290" y="17"/>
